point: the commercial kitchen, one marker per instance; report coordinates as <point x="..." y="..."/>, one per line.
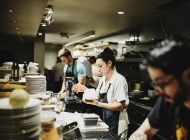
<point x="32" y="32"/>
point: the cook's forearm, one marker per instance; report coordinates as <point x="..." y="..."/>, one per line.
<point x="144" y="132"/>
<point x="113" y="106"/>
<point x="81" y="80"/>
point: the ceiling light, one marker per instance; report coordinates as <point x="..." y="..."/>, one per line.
<point x="50" y="12"/>
<point x="82" y="37"/>
<point x="39" y="33"/>
<point x="43" y="24"/>
<point x="120" y="12"/>
<point x="11" y="11"/>
<point x="14" y="21"/>
<point x="47" y="18"/>
<point x="17" y="28"/>
<point x="49" y="9"/>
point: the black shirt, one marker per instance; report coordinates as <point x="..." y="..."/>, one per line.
<point x="174" y="122"/>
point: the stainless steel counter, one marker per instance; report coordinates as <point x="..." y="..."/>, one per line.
<point x="95" y="135"/>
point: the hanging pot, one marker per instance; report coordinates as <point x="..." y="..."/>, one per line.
<point x="136" y="88"/>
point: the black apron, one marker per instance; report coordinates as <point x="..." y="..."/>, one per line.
<point x="70" y="79"/>
<point x="110" y="117"/>
<point x="72" y="103"/>
<point x="71" y="74"/>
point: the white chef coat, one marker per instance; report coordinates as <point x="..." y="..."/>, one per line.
<point x="117" y="92"/>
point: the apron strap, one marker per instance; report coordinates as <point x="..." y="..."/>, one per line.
<point x="72" y="71"/>
<point x="107" y="89"/>
<point x="101" y="86"/>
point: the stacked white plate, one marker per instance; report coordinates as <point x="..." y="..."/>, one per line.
<point x="20" y="123"/>
<point x="36" y="84"/>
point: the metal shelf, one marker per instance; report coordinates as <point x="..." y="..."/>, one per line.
<point x="130" y="59"/>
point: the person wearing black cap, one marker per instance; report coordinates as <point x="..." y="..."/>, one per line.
<point x="169" y="70"/>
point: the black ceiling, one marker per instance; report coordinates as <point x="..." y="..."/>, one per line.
<point x="20" y="19"/>
<point x="75" y="17"/>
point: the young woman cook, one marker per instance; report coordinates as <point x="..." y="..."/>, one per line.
<point x="112" y="92"/>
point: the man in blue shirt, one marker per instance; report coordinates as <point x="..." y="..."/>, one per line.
<point x="73" y="68"/>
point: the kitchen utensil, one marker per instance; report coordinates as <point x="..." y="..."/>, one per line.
<point x="136" y="87"/>
<point x="71" y="131"/>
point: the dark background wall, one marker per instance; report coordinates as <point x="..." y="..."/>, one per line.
<point x="16" y="52"/>
<point x="178" y="21"/>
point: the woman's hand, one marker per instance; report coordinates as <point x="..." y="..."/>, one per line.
<point x="91" y="101"/>
<point x="79" y="88"/>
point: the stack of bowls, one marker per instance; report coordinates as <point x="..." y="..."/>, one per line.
<point x="35" y="84"/>
<point x="21" y="123"/>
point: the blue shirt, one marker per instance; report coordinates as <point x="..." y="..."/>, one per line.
<point x="79" y="69"/>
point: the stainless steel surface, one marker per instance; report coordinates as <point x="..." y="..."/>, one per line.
<point x="90" y="119"/>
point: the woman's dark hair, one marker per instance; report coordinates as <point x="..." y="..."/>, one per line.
<point x="92" y="59"/>
<point x="172" y="57"/>
<point x="107" y="55"/>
